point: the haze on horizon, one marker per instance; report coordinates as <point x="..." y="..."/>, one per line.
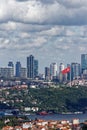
<point x="51" y="30"/>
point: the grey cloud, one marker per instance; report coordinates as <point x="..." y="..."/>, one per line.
<point x="42" y="1"/>
<point x="46" y="1"/>
<point x="44" y="12"/>
<point x="22" y="0"/>
<point x="72" y="3"/>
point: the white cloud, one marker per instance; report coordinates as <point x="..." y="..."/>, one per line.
<point x="24" y="35"/>
<point x="8" y="26"/>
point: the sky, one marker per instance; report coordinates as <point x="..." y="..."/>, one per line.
<point x="51" y="30"/>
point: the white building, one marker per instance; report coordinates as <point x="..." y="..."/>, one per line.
<point x="53" y="70"/>
<point x="61" y="67"/>
<point x="61" y="76"/>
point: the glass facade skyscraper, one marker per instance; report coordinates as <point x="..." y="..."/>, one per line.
<point x="18" y="69"/>
<point x="75" y="71"/>
<point x="47" y="73"/>
<point x="30" y="67"/>
<point x="35" y="68"/>
<point x="83" y="62"/>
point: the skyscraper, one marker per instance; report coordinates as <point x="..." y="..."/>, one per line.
<point x="83" y="62"/>
<point x="69" y="73"/>
<point x="75" y="71"/>
<point x="18" y="69"/>
<point x="61" y="76"/>
<point x="35" y="68"/>
<point x="53" y="69"/>
<point x="47" y="73"/>
<point x="30" y="67"/>
<point x="61" y="67"/>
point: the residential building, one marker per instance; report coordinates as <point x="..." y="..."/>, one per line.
<point x="11" y="66"/>
<point x="6" y="72"/>
<point x="23" y="72"/>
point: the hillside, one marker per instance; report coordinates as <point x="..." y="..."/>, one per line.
<point x="61" y="99"/>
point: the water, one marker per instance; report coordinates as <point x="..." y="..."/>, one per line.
<point x="70" y="117"/>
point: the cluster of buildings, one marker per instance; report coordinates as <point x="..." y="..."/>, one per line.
<point x="31" y="71"/>
<point x="46" y="125"/>
<point x="53" y="72"/>
<point x="77" y="71"/>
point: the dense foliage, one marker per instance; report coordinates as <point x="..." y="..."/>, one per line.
<point x="62" y="99"/>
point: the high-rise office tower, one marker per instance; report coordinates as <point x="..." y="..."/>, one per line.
<point x="83" y="62"/>
<point x="61" y="76"/>
<point x="61" y="67"/>
<point x="75" y="71"/>
<point x="53" y="69"/>
<point x="30" y="67"/>
<point x="47" y="73"/>
<point x="69" y="73"/>
<point x="35" y="68"/>
<point x="18" y="69"/>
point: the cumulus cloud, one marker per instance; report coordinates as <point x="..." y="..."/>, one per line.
<point x="59" y="12"/>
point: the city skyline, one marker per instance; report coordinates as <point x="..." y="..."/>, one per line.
<point x="51" y="30"/>
<point x="58" y="66"/>
<point x="13" y="64"/>
<point x="54" y="71"/>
